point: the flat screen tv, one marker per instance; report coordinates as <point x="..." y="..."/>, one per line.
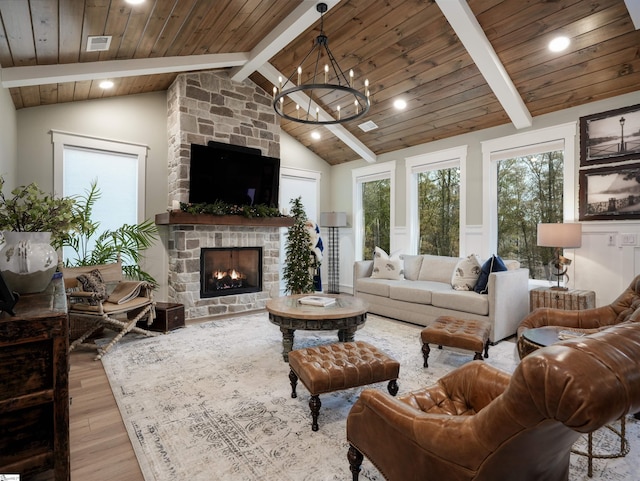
<point x="234" y="175"/>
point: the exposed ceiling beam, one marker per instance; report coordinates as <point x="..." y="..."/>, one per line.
<point x="468" y="30"/>
<point x="75" y="72"/>
<point x="634" y="10"/>
<point x="269" y="72"/>
<point x="291" y="27"/>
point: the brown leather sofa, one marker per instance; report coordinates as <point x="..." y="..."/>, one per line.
<point x="479" y="423"/>
<point x="624" y="308"/>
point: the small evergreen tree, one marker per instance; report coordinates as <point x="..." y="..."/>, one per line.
<point x="300" y="263"/>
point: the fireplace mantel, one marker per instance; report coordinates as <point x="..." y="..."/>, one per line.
<point x="179" y="217"/>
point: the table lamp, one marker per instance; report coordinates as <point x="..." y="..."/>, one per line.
<point x="333" y="220"/>
<point x="560" y="236"/>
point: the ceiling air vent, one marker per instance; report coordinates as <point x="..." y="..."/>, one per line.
<point x="368" y="125"/>
<point x="98" y="43"/>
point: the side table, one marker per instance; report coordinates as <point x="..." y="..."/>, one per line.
<point x="572" y="299"/>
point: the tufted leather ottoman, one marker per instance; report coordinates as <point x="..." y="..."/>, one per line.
<point x="453" y="332"/>
<point x="342" y="365"/>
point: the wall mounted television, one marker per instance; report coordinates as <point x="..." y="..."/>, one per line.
<point x="232" y="174"/>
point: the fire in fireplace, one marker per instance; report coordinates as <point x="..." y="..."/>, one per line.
<point x="226" y="271"/>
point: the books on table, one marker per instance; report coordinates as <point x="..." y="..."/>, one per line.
<point x="317" y="301"/>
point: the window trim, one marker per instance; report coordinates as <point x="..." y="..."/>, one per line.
<point x="441" y="159"/>
<point x="500" y="148"/>
<point x="60" y="140"/>
<point x="385" y="170"/>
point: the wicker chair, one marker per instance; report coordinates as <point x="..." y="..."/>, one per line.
<point x="101" y="297"/>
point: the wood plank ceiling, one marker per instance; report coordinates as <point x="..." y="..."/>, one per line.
<point x="406" y="48"/>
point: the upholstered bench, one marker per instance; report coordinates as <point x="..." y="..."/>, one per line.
<point x="338" y="366"/>
<point x="472" y="335"/>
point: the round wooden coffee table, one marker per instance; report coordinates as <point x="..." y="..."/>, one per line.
<point x="347" y="315"/>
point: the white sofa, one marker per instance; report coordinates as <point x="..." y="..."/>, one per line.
<point x="426" y="293"/>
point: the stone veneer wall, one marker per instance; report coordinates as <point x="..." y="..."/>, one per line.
<point x="185" y="242"/>
<point x="206" y="106"/>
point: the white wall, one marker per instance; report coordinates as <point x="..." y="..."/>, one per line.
<point x="605" y="269"/>
<point x="8" y="140"/>
<point x="137" y="118"/>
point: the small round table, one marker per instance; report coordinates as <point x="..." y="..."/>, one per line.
<point x="532" y="339"/>
<point x="347" y="314"/>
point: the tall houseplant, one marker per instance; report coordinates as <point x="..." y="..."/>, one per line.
<point x="90" y="247"/>
<point x="300" y="263"/>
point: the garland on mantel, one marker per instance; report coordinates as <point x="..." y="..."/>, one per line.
<point x="222" y="208"/>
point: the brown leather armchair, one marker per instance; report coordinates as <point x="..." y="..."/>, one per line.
<point x="478" y="423"/>
<point x="624" y="308"/>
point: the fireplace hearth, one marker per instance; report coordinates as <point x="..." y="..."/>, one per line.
<point x="227" y="271"/>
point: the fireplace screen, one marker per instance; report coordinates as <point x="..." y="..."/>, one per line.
<point x="226" y="271"/>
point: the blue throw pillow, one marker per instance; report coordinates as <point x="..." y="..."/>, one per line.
<point x="493" y="264"/>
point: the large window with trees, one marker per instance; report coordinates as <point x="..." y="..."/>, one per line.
<point x="435" y="186"/>
<point x="529" y="192"/>
<point x="373" y="208"/>
<point x="530" y="179"/>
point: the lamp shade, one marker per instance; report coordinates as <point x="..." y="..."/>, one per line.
<point x="560" y="235"/>
<point x="333" y="219"/>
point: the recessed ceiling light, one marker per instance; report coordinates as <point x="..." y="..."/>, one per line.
<point x="135" y="2"/>
<point x="559" y="44"/>
<point x="316" y="135"/>
<point x="106" y="84"/>
<point x="400" y="104"/>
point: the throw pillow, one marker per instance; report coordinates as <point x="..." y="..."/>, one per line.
<point x="386" y="266"/>
<point x="493" y="264"/>
<point x="465" y="275"/>
<point x="93" y="282"/>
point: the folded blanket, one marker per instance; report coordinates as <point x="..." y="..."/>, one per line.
<point x="125" y="291"/>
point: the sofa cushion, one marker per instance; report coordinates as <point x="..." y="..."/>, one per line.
<point x="412" y="266"/>
<point x="493" y="264"/>
<point x="376" y="287"/>
<point x="466" y="273"/>
<point x="417" y="292"/>
<point x="386" y="266"/>
<point x="464" y="301"/>
<point x="437" y="268"/>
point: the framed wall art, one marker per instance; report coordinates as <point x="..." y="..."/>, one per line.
<point x="610" y="136"/>
<point x="610" y="193"/>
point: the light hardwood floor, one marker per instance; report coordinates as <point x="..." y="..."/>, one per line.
<point x="100" y="446"/>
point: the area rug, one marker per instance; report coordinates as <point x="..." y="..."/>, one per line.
<point x="212" y="401"/>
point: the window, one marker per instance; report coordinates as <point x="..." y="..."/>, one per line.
<point x="373" y="215"/>
<point x="529" y="192"/>
<point x="435" y="201"/>
<point x="528" y="182"/>
<point x="117" y="167"/>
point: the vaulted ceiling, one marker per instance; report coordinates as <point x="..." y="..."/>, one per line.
<point x="460" y="66"/>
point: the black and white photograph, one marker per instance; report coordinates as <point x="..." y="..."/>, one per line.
<point x="610" y="193"/>
<point x="610" y="136"/>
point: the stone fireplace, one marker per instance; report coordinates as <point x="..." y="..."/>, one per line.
<point x="203" y="107"/>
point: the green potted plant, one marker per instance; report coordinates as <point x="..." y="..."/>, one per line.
<point x="31" y="222"/>
<point x="89" y="247"/>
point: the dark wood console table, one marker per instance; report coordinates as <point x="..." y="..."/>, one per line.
<point x="34" y="385"/>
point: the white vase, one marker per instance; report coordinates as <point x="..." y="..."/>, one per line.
<point x="27" y="261"/>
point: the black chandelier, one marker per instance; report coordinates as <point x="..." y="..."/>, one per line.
<point x="337" y="92"/>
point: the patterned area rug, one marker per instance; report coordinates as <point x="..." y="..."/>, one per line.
<point x="213" y="402"/>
